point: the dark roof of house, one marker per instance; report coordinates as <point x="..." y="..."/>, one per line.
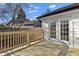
<point x="18" y="21"/>
<point x="60" y="10"/>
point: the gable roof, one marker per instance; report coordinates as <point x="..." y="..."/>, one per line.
<point x="61" y="10"/>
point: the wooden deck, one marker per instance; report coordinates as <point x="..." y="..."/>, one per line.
<point x="44" y="48"/>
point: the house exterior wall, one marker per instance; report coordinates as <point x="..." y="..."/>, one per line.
<point x="45" y="28"/>
<point x="72" y="17"/>
<point x="74" y="30"/>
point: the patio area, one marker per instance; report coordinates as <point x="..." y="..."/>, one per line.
<point x="44" y="48"/>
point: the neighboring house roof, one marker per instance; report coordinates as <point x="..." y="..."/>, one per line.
<point x="60" y="10"/>
<point x="18" y="21"/>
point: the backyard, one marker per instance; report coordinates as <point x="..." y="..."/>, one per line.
<point x="31" y="43"/>
<point x="34" y="35"/>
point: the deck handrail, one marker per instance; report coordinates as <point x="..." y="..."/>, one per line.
<point x="10" y="40"/>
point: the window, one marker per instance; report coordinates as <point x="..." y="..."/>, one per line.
<point x="53" y="30"/>
<point x="65" y="30"/>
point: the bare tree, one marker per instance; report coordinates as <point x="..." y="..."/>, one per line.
<point x="10" y="10"/>
<point x="5" y="13"/>
<point x="18" y="9"/>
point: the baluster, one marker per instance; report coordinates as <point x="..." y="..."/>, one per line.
<point x="5" y="41"/>
<point x="20" y="38"/>
<point x="8" y="41"/>
<point x="28" y="40"/>
<point x="24" y="38"/>
<point x="16" y="39"/>
<point x="13" y="40"/>
<point x="1" y="42"/>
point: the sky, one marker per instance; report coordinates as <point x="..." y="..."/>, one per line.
<point x="39" y="9"/>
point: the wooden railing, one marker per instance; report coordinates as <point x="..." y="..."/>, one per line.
<point x="10" y="40"/>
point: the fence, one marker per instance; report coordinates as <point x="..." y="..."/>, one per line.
<point x="10" y="40"/>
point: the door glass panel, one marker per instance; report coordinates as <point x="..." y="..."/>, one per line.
<point x="65" y="30"/>
<point x="53" y="30"/>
